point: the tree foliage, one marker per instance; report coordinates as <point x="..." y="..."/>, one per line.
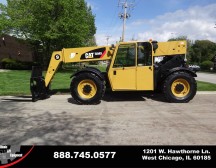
<point x="206" y="65"/>
<point x="203" y="50"/>
<point x="54" y="24"/>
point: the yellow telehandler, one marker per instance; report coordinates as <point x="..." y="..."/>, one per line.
<point x="133" y="66"/>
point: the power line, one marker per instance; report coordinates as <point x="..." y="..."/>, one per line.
<point x="125" y="6"/>
<point x="112" y="26"/>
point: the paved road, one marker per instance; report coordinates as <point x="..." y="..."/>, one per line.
<point x="119" y="119"/>
<point x="206" y="77"/>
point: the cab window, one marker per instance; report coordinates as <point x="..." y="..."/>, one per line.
<point x="144" y="54"/>
<point x="125" y="56"/>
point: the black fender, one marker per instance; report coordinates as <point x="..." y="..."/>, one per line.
<point x="184" y="69"/>
<point x="159" y="78"/>
<point x="90" y="70"/>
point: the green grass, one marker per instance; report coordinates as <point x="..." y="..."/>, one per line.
<point x="61" y="82"/>
<point x="205" y="86"/>
<point x="17" y="83"/>
<point x="14" y="82"/>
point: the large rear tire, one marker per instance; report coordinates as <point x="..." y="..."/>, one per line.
<point x="179" y="87"/>
<point x="87" y="88"/>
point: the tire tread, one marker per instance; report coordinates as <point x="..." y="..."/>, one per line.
<point x="167" y="84"/>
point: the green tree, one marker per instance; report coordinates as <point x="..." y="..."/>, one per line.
<point x="206" y="65"/>
<point x="55" y="24"/>
<point x="203" y="50"/>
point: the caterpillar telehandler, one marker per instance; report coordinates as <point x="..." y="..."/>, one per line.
<point x="133" y="66"/>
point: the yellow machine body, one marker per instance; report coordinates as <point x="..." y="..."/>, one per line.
<point x="139" y="76"/>
<point x="132" y="66"/>
<point x="72" y="55"/>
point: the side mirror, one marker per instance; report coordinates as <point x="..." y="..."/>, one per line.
<point x="154" y="45"/>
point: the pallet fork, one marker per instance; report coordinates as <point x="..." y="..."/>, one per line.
<point x="37" y="84"/>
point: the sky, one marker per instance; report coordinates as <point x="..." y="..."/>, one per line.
<point x="154" y="19"/>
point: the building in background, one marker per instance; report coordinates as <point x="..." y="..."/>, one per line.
<point x="14" y="48"/>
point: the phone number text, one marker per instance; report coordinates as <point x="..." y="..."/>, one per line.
<point x="84" y="155"/>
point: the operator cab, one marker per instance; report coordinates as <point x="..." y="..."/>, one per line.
<point x="131" y="67"/>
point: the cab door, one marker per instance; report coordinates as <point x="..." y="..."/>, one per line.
<point x="145" y="70"/>
<point x="122" y="73"/>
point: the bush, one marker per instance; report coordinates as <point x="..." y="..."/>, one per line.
<point x="206" y="65"/>
<point x="8" y="63"/>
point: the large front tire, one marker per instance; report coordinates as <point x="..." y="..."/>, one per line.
<point x="179" y="87"/>
<point x="87" y="88"/>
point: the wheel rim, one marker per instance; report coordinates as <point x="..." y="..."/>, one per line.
<point x="87" y="89"/>
<point x="180" y="88"/>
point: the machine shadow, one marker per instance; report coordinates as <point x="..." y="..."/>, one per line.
<point x="72" y="101"/>
<point x="19" y="99"/>
<point x="133" y="96"/>
<point x="127" y="96"/>
<point x="59" y="91"/>
<point x="156" y="97"/>
<point x="122" y="96"/>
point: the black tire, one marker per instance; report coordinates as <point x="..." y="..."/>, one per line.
<point x="179" y="87"/>
<point x="87" y="88"/>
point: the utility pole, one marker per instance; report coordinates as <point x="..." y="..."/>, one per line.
<point x="107" y="38"/>
<point x="125" y="5"/>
